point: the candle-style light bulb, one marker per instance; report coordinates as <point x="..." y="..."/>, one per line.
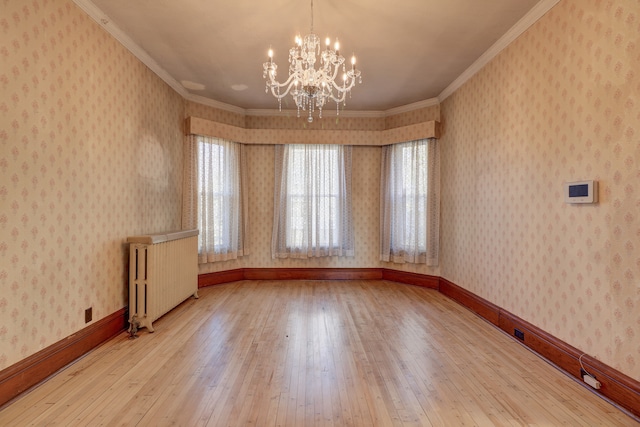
<point x="337" y="47"/>
<point x="353" y="62"/>
<point x="327" y="42"/>
<point x="270" y="54"/>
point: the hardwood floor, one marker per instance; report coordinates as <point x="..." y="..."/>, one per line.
<point x="302" y="353"/>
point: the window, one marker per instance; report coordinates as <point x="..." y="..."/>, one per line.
<point x="318" y="201"/>
<point x="410" y="203"/>
<point x="221" y="200"/>
<point x="312" y="201"/>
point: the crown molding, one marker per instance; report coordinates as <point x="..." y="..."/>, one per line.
<point x="537" y="12"/>
<point x="412" y="107"/>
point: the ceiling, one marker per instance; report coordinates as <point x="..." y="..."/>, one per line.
<point x="408" y="50"/>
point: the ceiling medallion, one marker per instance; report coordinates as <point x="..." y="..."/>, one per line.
<point x="311" y="88"/>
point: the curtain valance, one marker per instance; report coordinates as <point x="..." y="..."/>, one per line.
<point x="424" y="130"/>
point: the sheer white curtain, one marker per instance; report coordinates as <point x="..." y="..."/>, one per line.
<point x="312" y="202"/>
<point x="215" y="197"/>
<point x="410" y="202"/>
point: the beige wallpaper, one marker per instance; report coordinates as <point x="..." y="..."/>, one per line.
<point x="562" y="103"/>
<point x="90" y="152"/>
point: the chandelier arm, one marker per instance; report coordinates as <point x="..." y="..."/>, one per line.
<point x="274" y="83"/>
<point x="347" y="87"/>
<point x="350" y="82"/>
<point x="340" y="100"/>
<point x="332" y="80"/>
<point x="343" y="91"/>
<point x="280" y="95"/>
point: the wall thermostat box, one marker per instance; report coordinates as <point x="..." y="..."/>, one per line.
<point x="581" y="192"/>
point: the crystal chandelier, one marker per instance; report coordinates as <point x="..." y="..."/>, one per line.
<point x="311" y="88"/>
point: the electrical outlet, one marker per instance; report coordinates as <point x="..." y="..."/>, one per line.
<point x="518" y="334"/>
<point x="88" y="315"/>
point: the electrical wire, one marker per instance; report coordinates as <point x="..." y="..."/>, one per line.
<point x="582" y="366"/>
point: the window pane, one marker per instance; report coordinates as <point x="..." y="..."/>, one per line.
<point x="410" y="230"/>
<point x="218" y="213"/>
<point x="313" y="196"/>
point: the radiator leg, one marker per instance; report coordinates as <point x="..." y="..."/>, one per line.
<point x="195" y="295"/>
<point x="134" y="325"/>
<point x="142" y="322"/>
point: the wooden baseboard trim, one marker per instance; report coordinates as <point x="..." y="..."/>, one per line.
<point x="473" y="302"/>
<point x="312" y="273"/>
<point x="219" y="277"/>
<point x="431" y="282"/>
<point x="28" y="372"/>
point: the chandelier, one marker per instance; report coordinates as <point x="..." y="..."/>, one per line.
<point x="309" y="86"/>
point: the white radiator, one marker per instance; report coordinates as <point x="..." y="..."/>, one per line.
<point x="163" y="272"/>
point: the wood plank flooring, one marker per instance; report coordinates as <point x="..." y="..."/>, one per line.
<point x="313" y="353"/>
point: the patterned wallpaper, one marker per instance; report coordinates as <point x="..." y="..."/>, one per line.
<point x="562" y="103"/>
<point x="90" y="153"/>
<point x="78" y="113"/>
